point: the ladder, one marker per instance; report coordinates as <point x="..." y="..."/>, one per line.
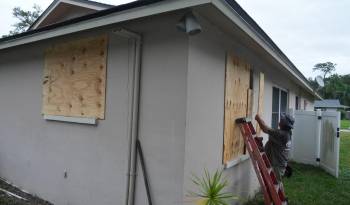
<point x="271" y="188"/>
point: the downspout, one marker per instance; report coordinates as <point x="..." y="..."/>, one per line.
<point x="134" y="110"/>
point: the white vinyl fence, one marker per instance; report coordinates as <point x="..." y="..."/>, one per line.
<point x="315" y="139"/>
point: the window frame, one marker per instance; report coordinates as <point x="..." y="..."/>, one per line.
<point x="297" y="102"/>
<point x="280" y="89"/>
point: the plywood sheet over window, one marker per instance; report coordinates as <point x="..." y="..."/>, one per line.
<point x="74" y="81"/>
<point x="236" y="105"/>
<point x="260" y="100"/>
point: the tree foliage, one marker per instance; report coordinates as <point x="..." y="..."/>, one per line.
<point x="336" y="87"/>
<point x="25" y="19"/>
<point x="326" y="68"/>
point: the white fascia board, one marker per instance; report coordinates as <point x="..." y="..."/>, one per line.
<point x="139" y="12"/>
<point x="80" y="4"/>
<point x="227" y="10"/>
<point x="42" y="18"/>
<point x="85" y="5"/>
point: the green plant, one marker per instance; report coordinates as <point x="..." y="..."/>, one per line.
<point x="211" y="189"/>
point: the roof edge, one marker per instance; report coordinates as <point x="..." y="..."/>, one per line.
<point x="249" y="26"/>
<point x="109" y="16"/>
<point x="88" y="4"/>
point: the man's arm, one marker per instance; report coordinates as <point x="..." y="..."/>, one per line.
<point x="274" y="134"/>
<point x="262" y="124"/>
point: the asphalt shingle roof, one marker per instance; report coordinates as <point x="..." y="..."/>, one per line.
<point x="328" y="103"/>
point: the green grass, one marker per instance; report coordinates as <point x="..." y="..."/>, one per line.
<point x="311" y="185"/>
<point x="345" y="124"/>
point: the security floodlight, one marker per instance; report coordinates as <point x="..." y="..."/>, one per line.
<point x="189" y="24"/>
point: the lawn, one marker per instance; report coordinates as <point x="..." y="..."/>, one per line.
<point x="311" y="185"/>
<point x="345" y="124"/>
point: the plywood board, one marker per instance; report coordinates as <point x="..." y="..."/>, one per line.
<point x="260" y="100"/>
<point x="74" y="83"/>
<point x="236" y="102"/>
<point x="250" y="98"/>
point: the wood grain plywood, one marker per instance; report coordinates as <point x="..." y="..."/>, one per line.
<point x="260" y="100"/>
<point x="236" y="103"/>
<point x="250" y="98"/>
<point x="74" y="83"/>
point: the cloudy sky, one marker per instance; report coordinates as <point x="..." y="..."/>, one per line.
<point x="307" y="31"/>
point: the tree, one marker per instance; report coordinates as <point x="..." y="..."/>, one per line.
<point x="313" y="83"/>
<point x="25" y="19"/>
<point x="337" y="87"/>
<point x="325" y="68"/>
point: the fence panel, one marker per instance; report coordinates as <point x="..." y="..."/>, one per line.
<point x="304" y="138"/>
<point x="330" y="142"/>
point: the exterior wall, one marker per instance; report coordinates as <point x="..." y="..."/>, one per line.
<point x="34" y="153"/>
<point x="181" y="118"/>
<point x="205" y="111"/>
<point x="205" y="104"/>
<point x="163" y="109"/>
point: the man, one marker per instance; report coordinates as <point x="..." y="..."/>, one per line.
<point x="278" y="146"/>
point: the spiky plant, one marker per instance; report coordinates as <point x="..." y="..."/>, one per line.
<point x="210" y="189"/>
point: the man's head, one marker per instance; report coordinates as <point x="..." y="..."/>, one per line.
<point x="286" y="122"/>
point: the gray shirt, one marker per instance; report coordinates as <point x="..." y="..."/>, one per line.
<point x="278" y="147"/>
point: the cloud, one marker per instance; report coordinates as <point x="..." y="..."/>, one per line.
<point x="308" y="32"/>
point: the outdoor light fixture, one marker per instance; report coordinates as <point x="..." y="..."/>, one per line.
<point x="189" y="24"/>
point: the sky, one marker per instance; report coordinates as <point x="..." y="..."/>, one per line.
<point x="307" y="31"/>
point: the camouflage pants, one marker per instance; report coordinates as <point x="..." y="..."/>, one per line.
<point x="279" y="172"/>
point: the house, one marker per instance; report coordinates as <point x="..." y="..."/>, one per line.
<point x="77" y="93"/>
<point x="329" y="104"/>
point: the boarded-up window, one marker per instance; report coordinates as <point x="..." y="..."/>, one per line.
<point x="74" y="83"/>
<point x="236" y="105"/>
<point x="260" y="100"/>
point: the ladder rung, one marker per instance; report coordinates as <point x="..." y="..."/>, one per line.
<point x="261" y="165"/>
<point x="269" y="170"/>
<point x="273" y="178"/>
<point x="265" y="159"/>
<point x="277" y="187"/>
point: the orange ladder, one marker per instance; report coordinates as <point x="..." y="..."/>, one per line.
<point x="272" y="189"/>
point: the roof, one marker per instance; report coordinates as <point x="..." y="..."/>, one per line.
<point x="328" y="103"/>
<point x="93" y="5"/>
<point x="161" y="6"/>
